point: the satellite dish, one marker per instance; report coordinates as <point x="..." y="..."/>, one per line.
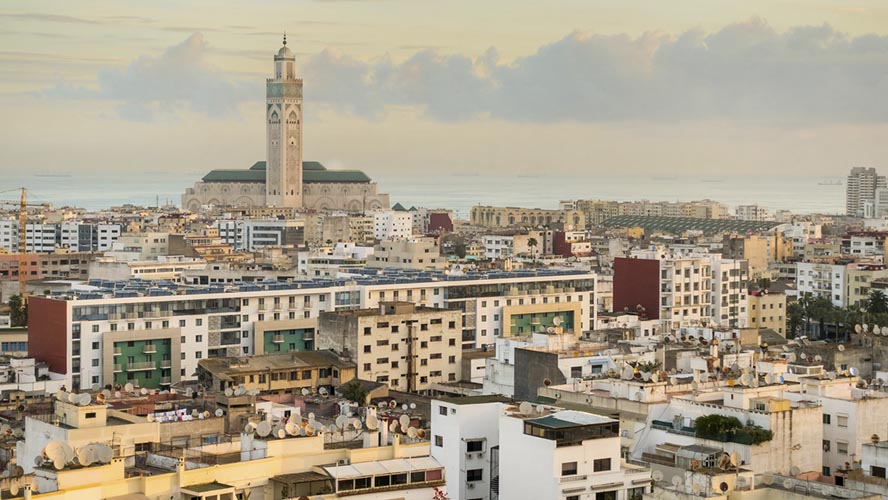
<point x="85" y="457"/>
<point x="735" y="458"/>
<point x="305" y="392"/>
<point x="677" y="481"/>
<point x="373" y="422"/>
<point x="356" y="423"/>
<point x="768" y="479"/>
<point x="229" y="392"/>
<point x="655" y="377"/>
<point x="309" y="430"/>
<point x="657" y="475"/>
<point x="557" y="321"/>
<point x="393" y="404"/>
<point x="322" y="391"/>
<point x="149" y="417"/>
<point x="885" y="331"/>
<point x="853" y="371"/>
<point x="842" y="347"/>
<point x="264" y="428"/>
<point x="723" y="486"/>
<point x="144" y="391"/>
<point x="787" y="484"/>
<point x="281" y="433"/>
<point x="73" y="398"/>
<point x="393" y="426"/>
<point x="206" y="414"/>
<point x="857" y="328"/>
<point x="831" y="375"/>
<point x="61" y="396"/>
<point x="818" y="358"/>
<point x="791" y="357"/>
<point x="412" y="406"/>
<point x="128" y="387"/>
<point x="411" y="432"/>
<point x="420" y="433"/>
<point x="525" y="408"/>
<point x="865" y="327"/>
<point x="695" y="488"/>
<point x="291" y="427"/>
<point x="220" y="412"/>
<point x="404" y="421"/>
<point x="794" y="471"/>
<point x="341" y="420"/>
<point x="311" y="416"/>
<point x="646" y="376"/>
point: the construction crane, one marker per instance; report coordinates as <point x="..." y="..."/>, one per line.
<point x="23" y="230"/>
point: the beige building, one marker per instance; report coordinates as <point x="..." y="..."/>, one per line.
<point x="768" y="310"/>
<point x="408" y="347"/>
<point x="276" y="373"/>
<point x="495" y="217"/>
<point x="418" y="253"/>
<point x="753" y="249"/>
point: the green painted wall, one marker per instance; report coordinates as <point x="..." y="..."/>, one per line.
<point x="523" y="323"/>
<point x="299" y="340"/>
<point x="132" y="354"/>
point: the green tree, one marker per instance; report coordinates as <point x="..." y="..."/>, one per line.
<point x="794" y="319"/>
<point x="354" y="391"/>
<point x="805" y="302"/>
<point x="877" y="303"/>
<point x="532" y="243"/>
<point x="18" y="310"/>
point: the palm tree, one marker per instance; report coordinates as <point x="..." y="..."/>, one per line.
<point x="532" y="243"/>
<point x="805" y="302"/>
<point x="877" y="303"/>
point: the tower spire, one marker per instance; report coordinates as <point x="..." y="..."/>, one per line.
<point x="285" y="38"/>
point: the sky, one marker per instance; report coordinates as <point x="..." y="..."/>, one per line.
<point x="412" y="87"/>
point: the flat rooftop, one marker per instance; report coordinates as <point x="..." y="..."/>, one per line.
<point x="96" y="289"/>
<point x="291" y="360"/>
<point x="569" y="418"/>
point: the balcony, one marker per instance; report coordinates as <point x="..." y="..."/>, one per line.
<point x="149" y="349"/>
<point x="166" y="363"/>
<point x="117" y="368"/>
<point x="277" y="338"/>
<point x="574" y="478"/>
<point x="165" y="381"/>
<point x="117" y="351"/>
<point x="141" y="365"/>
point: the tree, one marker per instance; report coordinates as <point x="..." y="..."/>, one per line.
<point x="805" y="302"/>
<point x="794" y="319"/>
<point x="532" y="243"/>
<point x="877" y="303"/>
<point x="764" y="283"/>
<point x="354" y="391"/>
<point x="18" y="310"/>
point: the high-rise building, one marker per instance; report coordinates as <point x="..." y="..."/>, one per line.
<point x="283" y="109"/>
<point x="860" y="191"/>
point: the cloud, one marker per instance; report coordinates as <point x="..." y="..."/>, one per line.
<point x="177" y="79"/>
<point x="745" y="71"/>
<point x="52" y="18"/>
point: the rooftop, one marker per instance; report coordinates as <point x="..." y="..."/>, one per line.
<point x="312" y="172"/>
<point x="569" y="418"/>
<point x="133" y="288"/>
<point x="230" y="366"/>
<point x="681" y="224"/>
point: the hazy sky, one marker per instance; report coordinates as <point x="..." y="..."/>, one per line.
<point x="610" y="87"/>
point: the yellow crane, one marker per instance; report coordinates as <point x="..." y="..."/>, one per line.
<point x="22" y="246"/>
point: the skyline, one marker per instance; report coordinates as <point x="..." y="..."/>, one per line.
<point x="384" y="107"/>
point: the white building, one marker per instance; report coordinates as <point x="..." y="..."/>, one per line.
<point x="90" y="334"/>
<point x="491" y="449"/>
<point x="392" y="225"/>
<point x="498" y="246"/>
<point x="753" y="212"/>
<point x="822" y="280"/>
<point x="251" y="234"/>
<point x="861" y="190"/>
<point x="729" y="295"/>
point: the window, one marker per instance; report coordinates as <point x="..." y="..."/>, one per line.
<point x="841" y="448"/>
<point x="95" y="362"/>
<point x="198" y="355"/>
<point x="367" y="348"/>
<point x="367" y="367"/>
<point x="474" y="446"/>
<point x="842" y="420"/>
<point x="439" y="440"/>
<point x="569" y="469"/>
<point x="95" y="345"/>
<point x="877" y="471"/>
<point x="95" y="328"/>
<point x="601" y="465"/>
<point x="367" y="330"/>
<point x="198" y="338"/>
<point x="181" y="323"/>
<point x="826" y="419"/>
<point x="473" y="475"/>
<point x="442" y="410"/>
<point x="576" y="372"/>
<point x="826" y="445"/>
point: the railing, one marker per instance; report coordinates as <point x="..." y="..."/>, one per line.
<point x="574" y="478"/>
<point x="277" y="338"/>
<point x="141" y="365"/>
<point x="165" y="380"/>
<point x="117" y="351"/>
<point x="166" y="363"/>
<point x="117" y="368"/>
<point x="149" y="349"/>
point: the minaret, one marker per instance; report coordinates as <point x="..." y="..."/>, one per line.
<point x="283" y="114"/>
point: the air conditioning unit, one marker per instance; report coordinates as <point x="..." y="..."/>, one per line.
<point x="343" y="461"/>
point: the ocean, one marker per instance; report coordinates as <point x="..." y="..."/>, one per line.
<point x="460" y="191"/>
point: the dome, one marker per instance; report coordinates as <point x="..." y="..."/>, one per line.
<point x="285" y="52"/>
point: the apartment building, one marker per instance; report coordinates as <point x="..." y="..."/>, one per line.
<point x="251" y="234"/>
<point x="729" y="292"/>
<point x="415" y="253"/>
<point x="492" y="449"/>
<point x="276" y="373"/>
<point x="860" y="191"/>
<point x="90" y="334"/>
<point x="392" y="225"/>
<point x="407" y="347"/>
<point x="753" y="212"/>
<point x="498" y="246"/>
<point x="50" y="237"/>
<point x="767" y="310"/>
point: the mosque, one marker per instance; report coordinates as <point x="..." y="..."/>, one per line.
<point x="284" y="179"/>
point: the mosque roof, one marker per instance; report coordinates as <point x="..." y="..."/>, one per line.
<point x="312" y="172"/>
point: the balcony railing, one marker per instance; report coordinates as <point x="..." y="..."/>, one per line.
<point x="141" y="365"/>
<point x="149" y="349"/>
<point x="277" y="338"/>
<point x="117" y="368"/>
<point x="165" y="380"/>
<point x="166" y="363"/>
<point x="574" y="478"/>
<point x="117" y="351"/>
